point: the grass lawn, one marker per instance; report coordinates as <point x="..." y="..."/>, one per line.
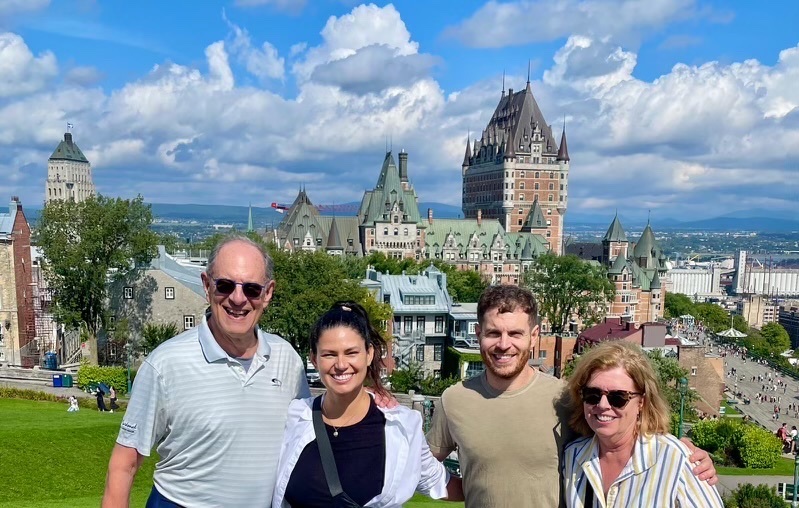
<point x="53" y="459"/>
<point x="784" y="467"/>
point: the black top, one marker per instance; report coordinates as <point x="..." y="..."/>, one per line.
<point x="360" y="454"/>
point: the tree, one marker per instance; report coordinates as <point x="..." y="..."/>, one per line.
<point x="677" y="305"/>
<point x="740" y="324"/>
<point x="565" y="286"/>
<point x="154" y="334"/>
<point x="87" y="244"/>
<point x="712" y="316"/>
<point x="465" y="285"/>
<point x="776" y="337"/>
<point x="306" y="285"/>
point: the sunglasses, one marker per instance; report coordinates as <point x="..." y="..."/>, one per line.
<point x="616" y="398"/>
<point x="250" y="289"/>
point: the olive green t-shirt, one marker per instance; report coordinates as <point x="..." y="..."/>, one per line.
<point x="509" y="443"/>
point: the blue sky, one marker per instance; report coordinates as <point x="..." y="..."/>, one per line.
<point x="689" y="104"/>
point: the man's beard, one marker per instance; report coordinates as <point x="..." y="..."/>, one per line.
<point x="506" y="371"/>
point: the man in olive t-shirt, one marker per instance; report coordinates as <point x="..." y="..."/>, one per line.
<point x="505" y="423"/>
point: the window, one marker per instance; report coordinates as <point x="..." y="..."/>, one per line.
<point x="693" y="371"/>
<point x="521" y="185"/>
<point x="420" y="323"/>
<point x="396" y="231"/>
<point x="387" y="298"/>
<point x="535" y="186"/>
<point x="474" y="369"/>
<point x="408" y="324"/>
<point x="385" y="231"/>
<point x="188" y="322"/>
<point x="438" y="352"/>
<point x="419" y="353"/>
<point x="537" y="174"/>
<point x="439" y="324"/>
<point x="169" y="293"/>
<point x="542" y="354"/>
<point x="521" y="174"/>
<point x="552" y="175"/>
<point x="521" y="197"/>
<point x="473" y="328"/>
<point x="396" y="219"/>
<point x="127" y="293"/>
<point x="551" y="186"/>
<point x="405" y="232"/>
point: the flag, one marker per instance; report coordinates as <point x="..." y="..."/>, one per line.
<point x="70" y="126"/>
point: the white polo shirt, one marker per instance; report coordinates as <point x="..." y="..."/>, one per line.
<point x="217" y="429"/>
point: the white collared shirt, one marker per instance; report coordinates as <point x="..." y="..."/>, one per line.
<point x="410" y="466"/>
<point x="216" y="427"/>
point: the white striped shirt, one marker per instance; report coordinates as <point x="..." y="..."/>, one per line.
<point x="658" y="474"/>
<point x="216" y="427"/>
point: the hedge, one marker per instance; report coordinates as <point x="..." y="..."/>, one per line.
<point x="759" y="448"/>
<point x="112" y="376"/>
<point x="20" y="393"/>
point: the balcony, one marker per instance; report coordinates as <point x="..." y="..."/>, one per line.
<point x="466" y="340"/>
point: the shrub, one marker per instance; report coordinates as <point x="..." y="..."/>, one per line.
<point x="20" y="393"/>
<point x="758" y="447"/>
<point x="715" y="435"/>
<point x="750" y="496"/>
<point x="112" y="376"/>
<point x="403" y="380"/>
<point x="435" y="386"/>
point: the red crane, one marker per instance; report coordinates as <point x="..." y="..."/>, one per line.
<point x="336" y="209"/>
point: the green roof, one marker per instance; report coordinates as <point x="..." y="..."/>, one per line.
<point x="68" y="150"/>
<point x="535" y="219"/>
<point x="387" y="195"/>
<point x="618" y="265"/>
<point x="615" y="232"/>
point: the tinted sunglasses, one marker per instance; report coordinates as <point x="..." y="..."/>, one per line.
<point x="616" y="398"/>
<point x="250" y="289"/>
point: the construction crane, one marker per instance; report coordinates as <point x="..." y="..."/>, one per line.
<point x="335" y="209"/>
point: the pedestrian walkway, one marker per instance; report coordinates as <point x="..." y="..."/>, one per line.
<point x="728" y="483"/>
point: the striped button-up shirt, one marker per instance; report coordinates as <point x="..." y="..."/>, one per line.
<point x="658" y="474"/>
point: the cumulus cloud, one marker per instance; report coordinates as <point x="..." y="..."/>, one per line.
<point x="496" y="24"/>
<point x="265" y="63"/>
<point x="83" y="76"/>
<point x="20" y="71"/>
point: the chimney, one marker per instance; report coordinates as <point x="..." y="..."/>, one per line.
<point x="68" y="138"/>
<point x="403" y="165"/>
<point x="479" y="217"/>
<point x="429" y="215"/>
<point x="15" y="205"/>
<point x="510" y="91"/>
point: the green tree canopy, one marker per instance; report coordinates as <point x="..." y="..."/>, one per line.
<point x="677" y="305"/>
<point x="84" y="245"/>
<point x="566" y="286"/>
<point x="776" y="337"/>
<point x="712" y="316"/>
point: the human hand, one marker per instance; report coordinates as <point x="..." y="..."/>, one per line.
<point x="703" y="464"/>
<point x="385" y="400"/>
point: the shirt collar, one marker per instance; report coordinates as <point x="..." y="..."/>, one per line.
<point x="213" y="351"/>
<point x="644" y="453"/>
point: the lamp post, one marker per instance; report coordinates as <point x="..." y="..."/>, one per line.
<point x="794" y="504"/>
<point x="683" y="388"/>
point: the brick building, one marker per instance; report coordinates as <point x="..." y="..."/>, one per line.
<point x="517" y="161"/>
<point x="17" y="319"/>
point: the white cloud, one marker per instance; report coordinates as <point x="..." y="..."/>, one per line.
<point x="516" y="23"/>
<point x="83" y="76"/>
<point x="292" y="6"/>
<point x="9" y="7"/>
<point x="264" y="63"/>
<point x="20" y="71"/>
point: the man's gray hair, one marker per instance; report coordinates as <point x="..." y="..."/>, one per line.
<point x="270" y="265"/>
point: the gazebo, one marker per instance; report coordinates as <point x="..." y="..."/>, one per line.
<point x="731" y="333"/>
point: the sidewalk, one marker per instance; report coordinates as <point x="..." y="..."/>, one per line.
<point x="728" y="483"/>
<point x="47" y="388"/>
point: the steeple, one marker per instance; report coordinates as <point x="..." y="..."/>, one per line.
<point x="563" y="150"/>
<point x="535" y="219"/>
<point x="528" y="74"/>
<point x="503" y="82"/>
<point x="615" y="232"/>
<point x="249" y="220"/>
<point x="468" y="154"/>
<point x="333" y="237"/>
<point x="655" y="284"/>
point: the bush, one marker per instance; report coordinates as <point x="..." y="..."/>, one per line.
<point x="436" y="386"/>
<point x="758" y="447"/>
<point x="112" y="376"/>
<point x="750" y="496"/>
<point x="19" y="393"/>
<point x="403" y="380"/>
<point x="715" y="435"/>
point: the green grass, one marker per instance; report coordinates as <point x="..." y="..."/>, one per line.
<point x="53" y="459"/>
<point x="784" y="467"/>
<point x="730" y="409"/>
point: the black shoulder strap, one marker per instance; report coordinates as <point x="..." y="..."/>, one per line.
<point x="325" y="451"/>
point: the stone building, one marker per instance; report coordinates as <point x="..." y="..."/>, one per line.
<point x="788" y="317"/>
<point x="757" y="310"/>
<point x="69" y="173"/>
<point x="705" y="376"/>
<point x="165" y="292"/>
<point x="17" y="320"/>
<point x="389" y="221"/>
<point x="516" y="162"/>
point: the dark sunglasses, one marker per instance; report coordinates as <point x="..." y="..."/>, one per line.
<point x="250" y="289"/>
<point x="616" y="398"/>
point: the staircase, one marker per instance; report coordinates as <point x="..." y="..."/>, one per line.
<point x="405" y="346"/>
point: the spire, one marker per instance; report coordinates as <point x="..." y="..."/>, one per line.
<point x="563" y="150"/>
<point x="468" y="154"/>
<point x="249" y="220"/>
<point x="503" y="82"/>
<point x="535" y="219"/>
<point x="510" y="150"/>
<point x="528" y="74"/>
<point x="333" y="238"/>
<point x="615" y="232"/>
<point x="618" y="265"/>
<point x="655" y="284"/>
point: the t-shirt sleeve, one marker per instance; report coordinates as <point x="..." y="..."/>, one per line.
<point x="439" y="437"/>
<point x="144" y="424"/>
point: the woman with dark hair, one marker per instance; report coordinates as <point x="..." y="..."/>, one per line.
<point x="341" y="449"/>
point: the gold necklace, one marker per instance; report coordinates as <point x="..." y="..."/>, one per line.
<point x="335" y="429"/>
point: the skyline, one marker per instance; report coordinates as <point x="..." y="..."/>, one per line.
<point x="683" y="104"/>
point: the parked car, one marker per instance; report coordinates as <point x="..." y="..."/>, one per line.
<point x="312" y="376"/>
